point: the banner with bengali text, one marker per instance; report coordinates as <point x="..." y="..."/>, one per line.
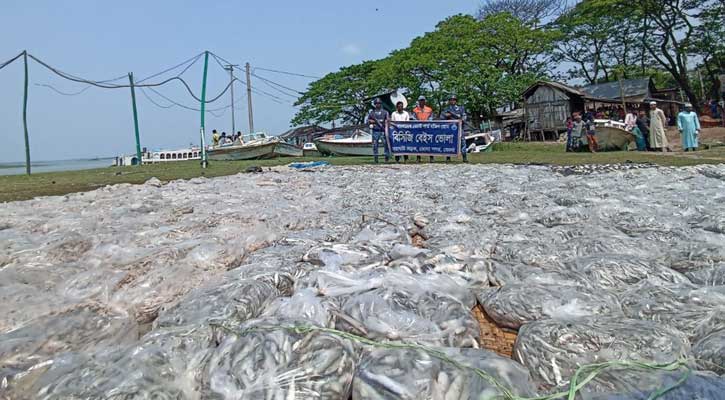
<point x="431" y="138"/>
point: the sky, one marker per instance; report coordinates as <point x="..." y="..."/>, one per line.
<point x="101" y="40"/>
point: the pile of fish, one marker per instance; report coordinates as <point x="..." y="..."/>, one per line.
<point x="359" y="283"/>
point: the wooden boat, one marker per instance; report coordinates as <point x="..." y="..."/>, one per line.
<point x="310" y="150"/>
<point x="611" y="136"/>
<point x="254" y="147"/>
<point x="360" y="144"/>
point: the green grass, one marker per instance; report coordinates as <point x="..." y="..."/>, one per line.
<point x="22" y="187"/>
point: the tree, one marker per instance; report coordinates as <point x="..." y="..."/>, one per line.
<point x="487" y="63"/>
<point x="528" y="11"/>
<point x="339" y="96"/>
<point x="597" y="38"/>
<point x="709" y="45"/>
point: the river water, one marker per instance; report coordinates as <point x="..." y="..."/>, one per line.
<point x="16" y="168"/>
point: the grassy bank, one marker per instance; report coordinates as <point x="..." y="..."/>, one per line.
<point x="22" y="187"/>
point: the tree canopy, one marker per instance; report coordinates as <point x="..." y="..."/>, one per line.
<point x="488" y="60"/>
<point x="486" y="63"/>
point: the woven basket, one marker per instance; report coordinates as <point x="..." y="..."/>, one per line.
<point x="494" y="337"/>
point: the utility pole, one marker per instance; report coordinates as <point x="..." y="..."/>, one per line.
<point x="230" y="68"/>
<point x="249" y="100"/>
<point x="204" y="161"/>
<point x="135" y="118"/>
<point x="25" y="115"/>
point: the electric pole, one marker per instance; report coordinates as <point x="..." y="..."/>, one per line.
<point x="230" y="68"/>
<point x="249" y="99"/>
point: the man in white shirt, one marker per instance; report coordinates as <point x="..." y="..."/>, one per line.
<point x="400" y="115"/>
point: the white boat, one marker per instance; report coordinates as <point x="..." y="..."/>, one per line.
<point x="253" y="147"/>
<point x="359" y="144"/>
<point x="160" y="156"/>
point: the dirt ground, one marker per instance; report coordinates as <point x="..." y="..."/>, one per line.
<point x="707" y="136"/>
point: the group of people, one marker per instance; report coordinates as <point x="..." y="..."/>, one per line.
<point x="223" y="139"/>
<point x="649" y="130"/>
<point x="378" y="117"/>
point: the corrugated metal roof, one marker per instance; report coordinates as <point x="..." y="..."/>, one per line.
<point x="632" y="88"/>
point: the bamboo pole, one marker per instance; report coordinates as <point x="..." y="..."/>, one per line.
<point x="204" y="161"/>
<point x="135" y="118"/>
<point x="25" y="114"/>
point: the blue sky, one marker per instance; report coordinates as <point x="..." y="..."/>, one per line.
<point x="101" y="40"/>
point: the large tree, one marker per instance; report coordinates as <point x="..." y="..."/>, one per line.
<point x="487" y="63"/>
<point x="338" y="96"/>
<point x="528" y="11"/>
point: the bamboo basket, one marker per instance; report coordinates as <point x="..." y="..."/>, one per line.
<point x="494" y="337"/>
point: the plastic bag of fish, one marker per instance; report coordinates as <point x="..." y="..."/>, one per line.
<point x="260" y="360"/>
<point x="232" y="300"/>
<point x="552" y="350"/>
<point x="427" y="309"/>
<point x="682" y="306"/>
<point x="402" y="374"/>
<point x="645" y="385"/>
<point x="516" y="304"/>
<point x="168" y="363"/>
<point x="708" y="345"/>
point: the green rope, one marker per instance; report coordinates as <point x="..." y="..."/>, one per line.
<point x="575" y="385"/>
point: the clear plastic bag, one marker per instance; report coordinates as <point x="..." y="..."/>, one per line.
<point x="618" y="272"/>
<point x="401" y="374"/>
<point x="516" y="304"/>
<point x="552" y="350"/>
<point x="683" y="307"/>
<point x="643" y="385"/>
<point x="280" y="364"/>
<point x="84" y="327"/>
<point x="228" y="302"/>
<point x="167" y="363"/>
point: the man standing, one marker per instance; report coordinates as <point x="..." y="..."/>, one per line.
<point x="214" y="138"/>
<point x="422" y="112"/>
<point x="689" y="126"/>
<point x="657" y="126"/>
<point x="643" y="126"/>
<point x="400" y="115"/>
<point x="456" y="112"/>
<point x="377" y="119"/>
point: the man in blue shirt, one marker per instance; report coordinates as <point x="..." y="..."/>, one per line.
<point x="376" y="120"/>
<point x="456" y="112"/>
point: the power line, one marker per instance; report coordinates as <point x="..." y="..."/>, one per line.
<point x="296" y="92"/>
<point x="287" y="73"/>
<point x="192" y="60"/>
<point x="174" y="103"/>
<point x="10" y="61"/>
<point x="61" y="92"/>
<point x="104" y="85"/>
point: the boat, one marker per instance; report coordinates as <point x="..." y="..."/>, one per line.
<point x="310" y="150"/>
<point x="611" y="136"/>
<point x="253" y="147"/>
<point x="359" y="144"/>
<point x="160" y="156"/>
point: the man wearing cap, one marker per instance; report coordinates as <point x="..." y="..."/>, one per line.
<point x="456" y="112"/>
<point x="657" y="126"/>
<point x="689" y="126"/>
<point x="376" y="120"/>
<point x="422" y="112"/>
